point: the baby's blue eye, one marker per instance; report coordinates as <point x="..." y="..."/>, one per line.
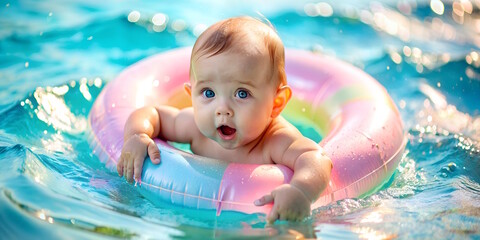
<point x="242" y="94"/>
<point x="208" y="93"/>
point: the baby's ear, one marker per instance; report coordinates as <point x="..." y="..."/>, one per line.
<point x="188" y="88"/>
<point x="284" y="93"/>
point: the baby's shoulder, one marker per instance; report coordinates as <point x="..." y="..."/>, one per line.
<point x="285" y="143"/>
<point x="281" y="128"/>
<point x="283" y="135"/>
<point x="280" y="135"/>
<point x="186" y="117"/>
<point x="187" y="111"/>
<point x="186" y="121"/>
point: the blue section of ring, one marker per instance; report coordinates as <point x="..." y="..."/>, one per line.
<point x="182" y="179"/>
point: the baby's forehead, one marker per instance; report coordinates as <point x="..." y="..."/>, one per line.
<point x="249" y="48"/>
<point x="244" y="61"/>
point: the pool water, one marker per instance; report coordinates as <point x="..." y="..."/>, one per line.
<point x="56" y="56"/>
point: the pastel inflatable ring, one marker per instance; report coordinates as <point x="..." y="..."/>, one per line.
<point x="361" y="128"/>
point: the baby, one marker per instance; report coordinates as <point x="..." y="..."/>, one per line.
<point x="238" y="90"/>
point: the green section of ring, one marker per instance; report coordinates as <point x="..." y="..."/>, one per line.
<point x="318" y="115"/>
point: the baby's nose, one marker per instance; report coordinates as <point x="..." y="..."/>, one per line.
<point x="224" y="111"/>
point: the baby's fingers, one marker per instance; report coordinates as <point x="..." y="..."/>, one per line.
<point x="272" y="216"/>
<point x="137" y="168"/>
<point x="264" y="200"/>
<point x="129" y="175"/>
<point x="153" y="152"/>
<point x="126" y="157"/>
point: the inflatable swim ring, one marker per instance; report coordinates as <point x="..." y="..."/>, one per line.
<point x="361" y="128"/>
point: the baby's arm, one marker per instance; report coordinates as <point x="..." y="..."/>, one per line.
<point x="311" y="175"/>
<point x="146" y="123"/>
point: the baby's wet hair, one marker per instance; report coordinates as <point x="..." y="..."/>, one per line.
<point x="227" y="34"/>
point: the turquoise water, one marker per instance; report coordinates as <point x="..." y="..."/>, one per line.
<point x="55" y="57"/>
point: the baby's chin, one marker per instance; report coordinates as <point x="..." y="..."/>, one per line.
<point x="230" y="144"/>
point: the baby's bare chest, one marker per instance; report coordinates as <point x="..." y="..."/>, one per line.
<point x="258" y="155"/>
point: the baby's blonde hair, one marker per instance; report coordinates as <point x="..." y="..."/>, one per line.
<point x="225" y="35"/>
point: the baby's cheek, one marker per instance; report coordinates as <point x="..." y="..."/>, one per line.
<point x="255" y="127"/>
<point x="205" y="123"/>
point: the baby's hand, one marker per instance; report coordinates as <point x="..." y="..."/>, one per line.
<point x="289" y="203"/>
<point x="133" y="154"/>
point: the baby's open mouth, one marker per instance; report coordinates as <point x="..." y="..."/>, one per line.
<point x="226" y="130"/>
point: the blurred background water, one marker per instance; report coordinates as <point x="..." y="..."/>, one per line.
<point x="55" y="57"/>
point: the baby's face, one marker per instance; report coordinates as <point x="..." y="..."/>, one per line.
<point x="232" y="97"/>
